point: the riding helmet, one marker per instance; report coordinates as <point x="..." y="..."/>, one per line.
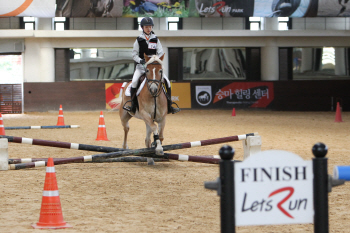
<point x="147" y="21"/>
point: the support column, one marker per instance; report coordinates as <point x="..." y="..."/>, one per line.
<point x="340" y="68"/>
<point x="269" y="62"/>
<point x="306" y="60"/>
<point x="43" y="23"/>
<point x="47" y="64"/>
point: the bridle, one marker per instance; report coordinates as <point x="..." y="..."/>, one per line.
<point x="158" y="83"/>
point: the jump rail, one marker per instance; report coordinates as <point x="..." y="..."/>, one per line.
<point x="104" y="158"/>
<point x="68" y="145"/>
<point x="42" y="127"/>
<point x="16" y="164"/>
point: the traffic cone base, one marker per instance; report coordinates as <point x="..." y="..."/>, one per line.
<point x="233" y="112"/>
<point x="101" y="133"/>
<point x="60" y="120"/>
<point x="51" y="212"/>
<point x="2" y="128"/>
<point x="338" y="114"/>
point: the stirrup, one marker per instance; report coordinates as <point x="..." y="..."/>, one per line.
<point x="173" y="110"/>
<point x="128" y="108"/>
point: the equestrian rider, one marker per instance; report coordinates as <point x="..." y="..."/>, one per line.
<point x="147" y="43"/>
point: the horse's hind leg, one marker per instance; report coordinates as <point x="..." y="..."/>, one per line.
<point x="150" y="161"/>
<point x="124" y="118"/>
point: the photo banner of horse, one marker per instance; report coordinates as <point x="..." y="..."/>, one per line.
<point x="199" y="8"/>
<point x="21" y="8"/>
<point x="233" y="95"/>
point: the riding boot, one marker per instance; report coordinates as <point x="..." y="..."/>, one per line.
<point x="133" y="96"/>
<point x="171" y="109"/>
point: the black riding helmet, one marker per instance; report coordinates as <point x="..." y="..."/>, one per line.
<point x="147" y="21"/>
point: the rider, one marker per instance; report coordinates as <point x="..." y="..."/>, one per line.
<point x="149" y="44"/>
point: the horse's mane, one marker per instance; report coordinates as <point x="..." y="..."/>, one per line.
<point x="153" y="59"/>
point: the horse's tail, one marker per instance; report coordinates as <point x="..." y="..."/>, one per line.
<point x="116" y="102"/>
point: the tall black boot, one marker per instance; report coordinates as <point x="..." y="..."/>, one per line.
<point x="171" y="109"/>
<point x="133" y="96"/>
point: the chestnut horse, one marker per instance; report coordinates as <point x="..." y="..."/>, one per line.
<point x="152" y="105"/>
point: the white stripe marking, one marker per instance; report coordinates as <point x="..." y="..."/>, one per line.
<point x="35" y="127"/>
<point x="183" y="157"/>
<point x="87" y="158"/>
<point x="101" y="115"/>
<point x="74" y="146"/>
<point x="1" y="125"/>
<point x="75" y="126"/>
<point x="27" y="140"/>
<point x="242" y="137"/>
<point x="51" y="193"/>
<point x="60" y="115"/>
<point x="101" y="126"/>
<point x="216" y="156"/>
<point x="26" y="160"/>
<point x="49" y="169"/>
<point x="40" y="164"/>
<point x="197" y="143"/>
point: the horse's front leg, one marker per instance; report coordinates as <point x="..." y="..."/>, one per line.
<point x="148" y="143"/>
<point x="152" y="128"/>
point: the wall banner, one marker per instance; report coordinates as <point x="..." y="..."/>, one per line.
<point x="195" y="8"/>
<point x="20" y="8"/>
<point x="234" y="95"/>
<point x="112" y="92"/>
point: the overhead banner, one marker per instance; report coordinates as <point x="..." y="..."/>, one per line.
<point x="21" y="8"/>
<point x="233" y="95"/>
<point x="196" y="8"/>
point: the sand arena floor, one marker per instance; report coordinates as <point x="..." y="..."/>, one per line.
<point x="167" y="197"/>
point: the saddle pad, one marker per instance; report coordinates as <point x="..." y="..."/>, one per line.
<point x="127" y="91"/>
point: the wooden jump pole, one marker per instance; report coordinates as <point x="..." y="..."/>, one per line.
<point x="68" y="145"/>
<point x="42" y="127"/>
<point x="99" y="159"/>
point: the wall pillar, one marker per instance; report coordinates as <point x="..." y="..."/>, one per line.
<point x="340" y="68"/>
<point x="306" y="60"/>
<point x="47" y="64"/>
<point x="43" y="23"/>
<point x="269" y="62"/>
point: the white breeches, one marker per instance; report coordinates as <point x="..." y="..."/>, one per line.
<point x="140" y="69"/>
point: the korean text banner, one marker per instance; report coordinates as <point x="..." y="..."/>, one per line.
<point x="35" y="8"/>
<point x="232" y="95"/>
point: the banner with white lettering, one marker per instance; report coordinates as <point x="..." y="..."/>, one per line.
<point x="34" y="8"/>
<point x="228" y="95"/>
<point x="273" y="187"/>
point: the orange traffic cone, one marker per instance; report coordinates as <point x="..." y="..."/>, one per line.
<point x="338" y="114"/>
<point x="233" y="112"/>
<point x="51" y="211"/>
<point x="2" y="128"/>
<point x="60" y="120"/>
<point x="101" y="133"/>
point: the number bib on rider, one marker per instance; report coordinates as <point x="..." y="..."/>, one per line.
<point x="152" y="45"/>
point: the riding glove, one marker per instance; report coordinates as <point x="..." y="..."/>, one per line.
<point x="142" y="61"/>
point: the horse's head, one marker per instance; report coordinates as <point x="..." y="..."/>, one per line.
<point x="154" y="73"/>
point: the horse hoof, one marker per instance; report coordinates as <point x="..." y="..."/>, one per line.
<point x="159" y="152"/>
<point x="150" y="161"/>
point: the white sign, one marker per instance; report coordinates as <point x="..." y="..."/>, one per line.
<point x="273" y="187"/>
<point x="203" y="95"/>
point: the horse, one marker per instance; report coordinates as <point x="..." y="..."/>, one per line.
<point x="152" y="105"/>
